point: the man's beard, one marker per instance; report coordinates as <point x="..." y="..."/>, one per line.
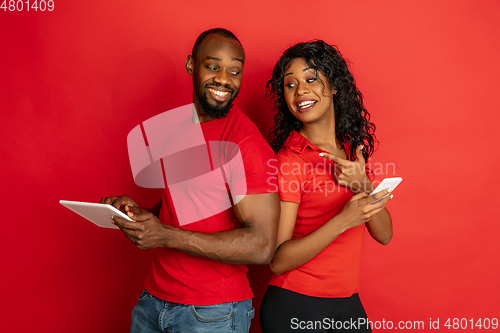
<point x="220" y="110"/>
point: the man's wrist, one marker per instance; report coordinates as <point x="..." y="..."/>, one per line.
<point x="169" y="238"/>
<point x="144" y="210"/>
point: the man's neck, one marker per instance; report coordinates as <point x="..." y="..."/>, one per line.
<point x="201" y="116"/>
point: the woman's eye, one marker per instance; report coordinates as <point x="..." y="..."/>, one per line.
<point x="311" y="80"/>
<point x="290" y="85"/>
<point x="234" y="72"/>
<point x="212" y="68"/>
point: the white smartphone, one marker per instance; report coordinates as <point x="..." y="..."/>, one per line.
<point x="385" y="184"/>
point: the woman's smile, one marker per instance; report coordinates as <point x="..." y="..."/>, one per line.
<point x="305" y="104"/>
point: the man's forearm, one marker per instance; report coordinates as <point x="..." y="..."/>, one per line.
<point x="252" y="243"/>
<point x="237" y="246"/>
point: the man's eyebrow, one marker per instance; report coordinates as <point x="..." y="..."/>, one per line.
<point x="219" y="59"/>
<point x="212" y="58"/>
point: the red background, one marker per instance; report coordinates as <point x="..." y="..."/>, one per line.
<point x="75" y="81"/>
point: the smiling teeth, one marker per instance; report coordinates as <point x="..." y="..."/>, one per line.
<point x="218" y="93"/>
<point x="306" y="103"/>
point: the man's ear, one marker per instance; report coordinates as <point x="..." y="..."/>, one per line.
<point x="190" y="65"/>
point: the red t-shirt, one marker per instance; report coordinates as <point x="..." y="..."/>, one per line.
<point x="306" y="178"/>
<point x="182" y="278"/>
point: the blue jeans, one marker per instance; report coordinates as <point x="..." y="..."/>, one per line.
<point x="153" y="315"/>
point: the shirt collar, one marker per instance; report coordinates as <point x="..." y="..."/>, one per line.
<point x="296" y="142"/>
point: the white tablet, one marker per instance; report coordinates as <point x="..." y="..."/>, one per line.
<point x="97" y="213"/>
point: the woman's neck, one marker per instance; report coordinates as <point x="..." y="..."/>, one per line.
<point x="321" y="134"/>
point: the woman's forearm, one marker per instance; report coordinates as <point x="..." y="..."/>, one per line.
<point x="296" y="252"/>
<point x="380" y="227"/>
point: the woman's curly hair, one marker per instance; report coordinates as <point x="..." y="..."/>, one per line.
<point x="352" y="121"/>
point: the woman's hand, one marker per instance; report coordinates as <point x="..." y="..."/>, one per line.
<point x="360" y="209"/>
<point x="351" y="174"/>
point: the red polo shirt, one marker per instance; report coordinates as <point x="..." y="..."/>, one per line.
<point x="306" y="178"/>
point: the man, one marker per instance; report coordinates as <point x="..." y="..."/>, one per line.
<point x="198" y="279"/>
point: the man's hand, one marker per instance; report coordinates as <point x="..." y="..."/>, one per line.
<point x="146" y="233"/>
<point x="122" y="203"/>
<point x="351" y="174"/>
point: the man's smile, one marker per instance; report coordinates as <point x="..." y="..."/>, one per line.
<point x="219" y="94"/>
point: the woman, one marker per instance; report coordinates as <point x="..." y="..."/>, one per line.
<point x="323" y="137"/>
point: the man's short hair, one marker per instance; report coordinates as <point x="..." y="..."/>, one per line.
<point x="218" y="31"/>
